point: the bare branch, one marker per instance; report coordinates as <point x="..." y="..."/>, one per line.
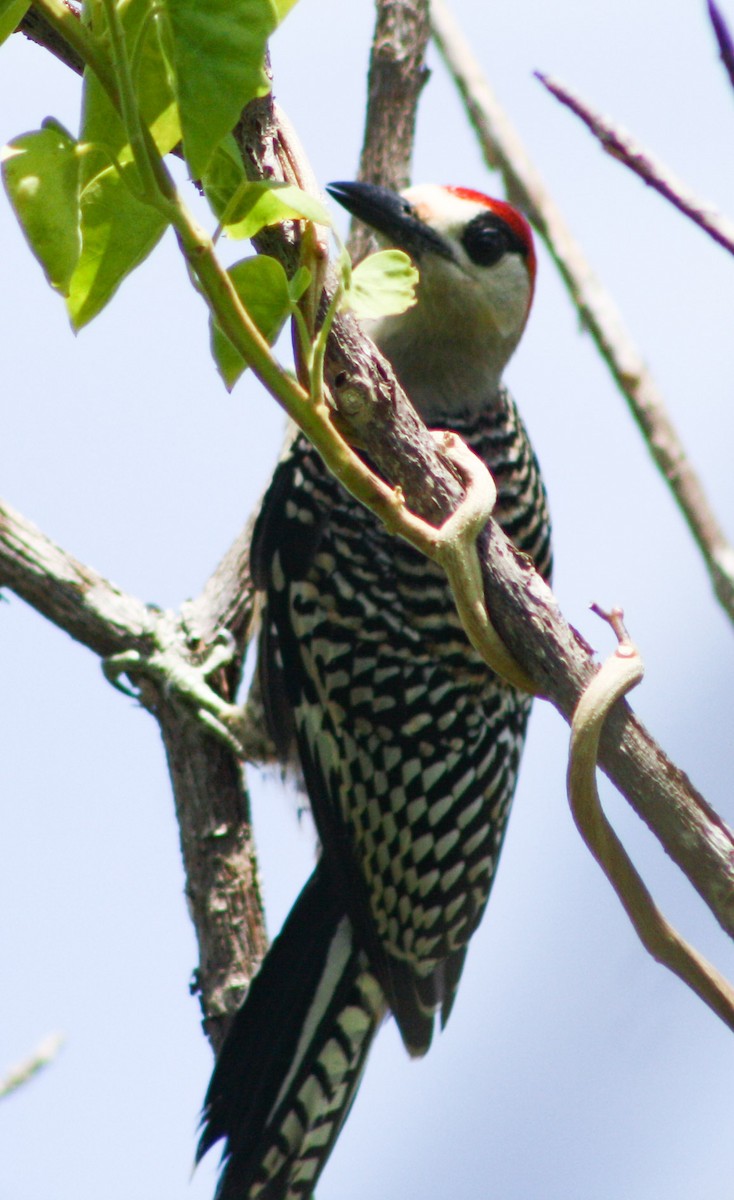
<point x="211" y="801"/>
<point x="549" y="650"/>
<point x="227" y="602"/>
<point x="396" y="78"/>
<point x="222" y="882"/>
<point x="724" y="38"/>
<point x="76" y="598"/>
<point x="505" y="152"/>
<point x="623" y="147"/>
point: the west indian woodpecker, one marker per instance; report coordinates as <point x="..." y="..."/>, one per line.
<point x="407" y="743"/>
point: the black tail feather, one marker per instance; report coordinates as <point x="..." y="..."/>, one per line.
<point x="292" y="1061"/>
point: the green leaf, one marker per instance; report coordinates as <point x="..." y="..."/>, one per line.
<point x="11" y="15"/>
<point x="224" y="175"/>
<point x="146" y="47"/>
<point x="261" y="204"/>
<point x="344" y="267"/>
<point x="298" y="284"/>
<point x="283" y="7"/>
<point x="244" y="207"/>
<point x="118" y="233"/>
<point x="41" y="176"/>
<point x="382" y="285"/>
<point x="118" y="229"/>
<point x="263" y="287"/>
<point x="152" y="71"/>
<point x="218" y="53"/>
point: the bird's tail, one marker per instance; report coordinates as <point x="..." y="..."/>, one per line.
<point x="291" y="1064"/>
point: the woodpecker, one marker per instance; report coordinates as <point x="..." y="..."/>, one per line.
<point x="407" y="743"/>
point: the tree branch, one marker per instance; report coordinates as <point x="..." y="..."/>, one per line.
<point x="76" y="598"/>
<point x="37" y="29"/>
<point x="724" y="39"/>
<point x="211" y="804"/>
<point x="396" y="78"/>
<point x="211" y="801"/>
<point x="504" y="151"/>
<point x="625" y="149"/>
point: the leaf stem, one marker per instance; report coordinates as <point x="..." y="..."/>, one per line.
<point x="318" y="346"/>
<point x="230" y="208"/>
<point x="622" y="671"/>
<point x="129" y="109"/>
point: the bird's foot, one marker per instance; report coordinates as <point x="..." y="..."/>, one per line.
<point x="177" y="676"/>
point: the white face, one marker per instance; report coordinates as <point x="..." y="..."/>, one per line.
<point x="499" y="294"/>
<point x="450" y="349"/>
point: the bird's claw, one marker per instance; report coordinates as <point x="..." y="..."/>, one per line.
<point x="183" y="680"/>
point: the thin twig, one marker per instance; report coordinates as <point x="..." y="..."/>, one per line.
<point x="622" y="146"/>
<point x="622" y="671"/>
<point x="724" y="38"/>
<point x="505" y="152"/>
<point x="18" y="1075"/>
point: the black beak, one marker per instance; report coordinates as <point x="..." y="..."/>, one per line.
<point x="391" y="215"/>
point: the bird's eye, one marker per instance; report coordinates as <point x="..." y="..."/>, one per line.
<point x="484" y="241"/>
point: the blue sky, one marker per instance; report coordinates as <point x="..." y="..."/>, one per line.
<point x="573" y="1068"/>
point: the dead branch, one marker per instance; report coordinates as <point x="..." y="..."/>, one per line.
<point x="211" y="802"/>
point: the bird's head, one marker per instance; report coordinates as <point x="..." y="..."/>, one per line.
<point x="476" y="261"/>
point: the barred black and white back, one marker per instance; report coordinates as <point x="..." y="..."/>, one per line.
<point x="409" y="748"/>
